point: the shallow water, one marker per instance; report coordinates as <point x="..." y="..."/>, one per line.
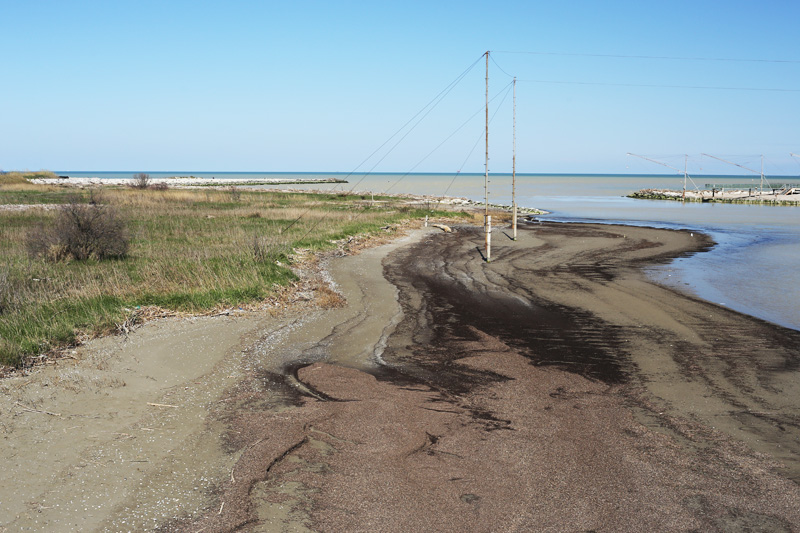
<point x="752" y="269"/>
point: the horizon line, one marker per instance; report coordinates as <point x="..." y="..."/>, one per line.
<point x="185" y="172"/>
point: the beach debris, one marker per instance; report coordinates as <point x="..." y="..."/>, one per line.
<point x="133" y="319"/>
<point x="34" y="410"/>
<point x="25" y="207"/>
<point x="442" y="227"/>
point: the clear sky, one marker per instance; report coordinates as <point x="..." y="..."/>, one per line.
<point x="318" y="86"/>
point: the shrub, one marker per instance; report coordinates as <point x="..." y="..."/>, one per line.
<point x="236" y="194"/>
<point x="327" y="298"/>
<point x="80" y="232"/>
<point x="140" y="181"/>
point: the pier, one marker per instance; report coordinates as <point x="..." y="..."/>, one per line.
<point x="786" y="194"/>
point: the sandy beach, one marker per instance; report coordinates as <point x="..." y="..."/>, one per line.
<point x="554" y="389"/>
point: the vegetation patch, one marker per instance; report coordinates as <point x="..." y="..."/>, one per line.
<point x="187" y="250"/>
<point x="80" y="232"/>
<point x="18" y="178"/>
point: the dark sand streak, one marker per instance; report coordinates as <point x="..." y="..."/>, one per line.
<point x="554" y="389"/>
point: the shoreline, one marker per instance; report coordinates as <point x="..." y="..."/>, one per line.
<point x="499" y="392"/>
<point x="182" y="181"/>
<point x="537" y="391"/>
<point x="188" y="182"/>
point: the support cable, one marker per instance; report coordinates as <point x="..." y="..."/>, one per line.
<point x="426" y="109"/>
<point x="654" y="85"/>
<point x="664" y="86"/>
<point x="505" y="95"/>
<point x="358" y="215"/>
<point x="671" y="58"/>
<point x="480" y="138"/>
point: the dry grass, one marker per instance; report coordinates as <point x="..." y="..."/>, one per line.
<point x="12" y="178"/>
<point x="190" y="251"/>
<point x="18" y="181"/>
<point x="475" y="216"/>
<point x="327" y="298"/>
<point x="17" y="177"/>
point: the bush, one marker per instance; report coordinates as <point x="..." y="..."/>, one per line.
<point x="236" y="194"/>
<point x="140" y="181"/>
<point x="80" y="232"/>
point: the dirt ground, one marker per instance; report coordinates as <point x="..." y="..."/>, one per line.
<point x="553" y="389"/>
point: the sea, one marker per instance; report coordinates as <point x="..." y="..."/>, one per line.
<point x="752" y="269"/>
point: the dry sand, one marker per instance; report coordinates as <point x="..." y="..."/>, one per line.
<point x="125" y="433"/>
<point x="554" y="389"/>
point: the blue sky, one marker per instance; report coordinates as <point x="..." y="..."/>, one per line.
<point x="318" y="86"/>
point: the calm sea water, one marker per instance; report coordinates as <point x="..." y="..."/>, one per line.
<point x="753" y="268"/>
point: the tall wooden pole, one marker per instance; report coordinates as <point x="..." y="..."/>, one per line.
<point x="514" y="166"/>
<point x="685" y="173"/>
<point x="487" y="221"/>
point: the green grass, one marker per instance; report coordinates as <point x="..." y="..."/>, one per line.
<point x="191" y="250"/>
<point x="28" y="197"/>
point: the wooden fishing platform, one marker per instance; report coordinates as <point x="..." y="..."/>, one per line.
<point x="782" y="188"/>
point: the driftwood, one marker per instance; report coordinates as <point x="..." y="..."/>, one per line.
<point x="161" y="404"/>
<point x="32" y="410"/>
<point x="442" y="227"/>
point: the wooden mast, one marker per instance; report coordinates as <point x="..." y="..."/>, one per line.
<point x="685" y="173"/>
<point x="487" y="220"/>
<point x="514" y="166"/>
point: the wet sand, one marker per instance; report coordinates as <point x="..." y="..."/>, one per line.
<point x="554" y="389"/>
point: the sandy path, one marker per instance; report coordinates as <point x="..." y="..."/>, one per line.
<point x="126" y="433"/>
<point x="106" y="442"/>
